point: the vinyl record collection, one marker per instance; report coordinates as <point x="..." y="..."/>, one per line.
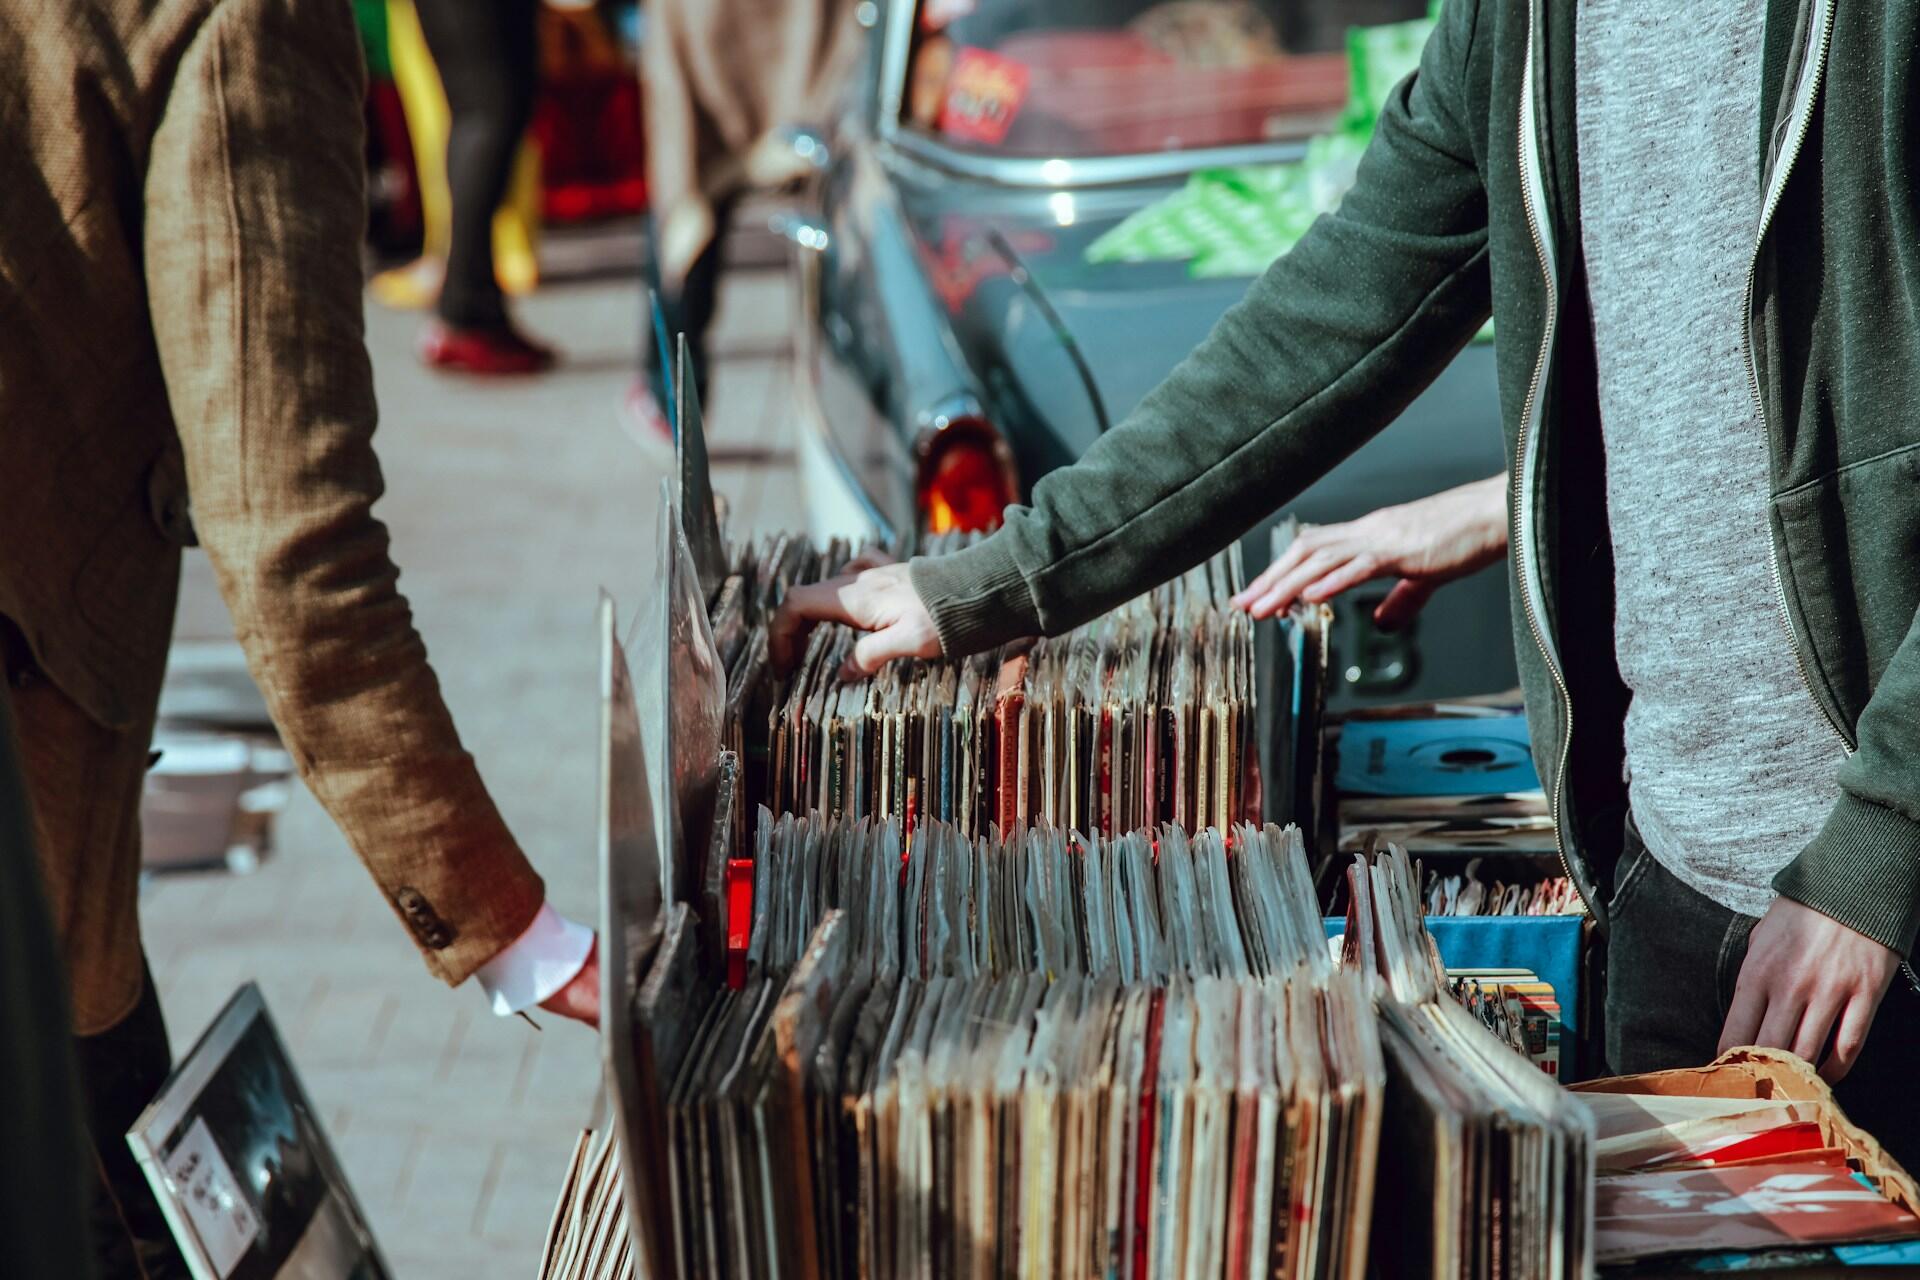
<point x="589" y="1237"/>
<point x="1009" y="986"/>
<point x="1053" y="1054"/>
<point x="982" y="968"/>
<point x="1493" y="1161"/>
<point x="1140" y="717"/>
<point x="1032" y="1056"/>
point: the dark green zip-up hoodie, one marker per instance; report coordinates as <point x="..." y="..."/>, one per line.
<point x="1467" y="202"/>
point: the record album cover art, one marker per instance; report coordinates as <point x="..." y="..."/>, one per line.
<point x="239" y="1162"/>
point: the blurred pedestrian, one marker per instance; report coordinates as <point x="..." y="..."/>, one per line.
<point x="184" y="315"/>
<point x="516" y="223"/>
<point x="489" y="57"/>
<point x="725" y="82"/>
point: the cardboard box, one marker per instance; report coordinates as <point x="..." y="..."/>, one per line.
<point x="1775" y="1073"/>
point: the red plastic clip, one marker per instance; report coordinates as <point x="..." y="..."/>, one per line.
<point x="739" y="919"/>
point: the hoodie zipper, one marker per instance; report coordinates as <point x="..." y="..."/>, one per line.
<point x="1776" y="187"/>
<point x="1533" y="593"/>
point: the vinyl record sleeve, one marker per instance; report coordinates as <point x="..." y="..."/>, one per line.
<point x="1450" y="757"/>
<point x="241" y="1165"/>
<point x="1743" y="1208"/>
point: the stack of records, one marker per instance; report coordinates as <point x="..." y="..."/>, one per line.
<point x="1140" y="717"/>
<point x="1441" y="778"/>
<point x="588" y="1238"/>
<point x="1519" y="1007"/>
<point x="1494" y="1162"/>
<point x="1142" y="907"/>
<point x="1040" y="1054"/>
<point x="1487" y="974"/>
<point x="1479" y="889"/>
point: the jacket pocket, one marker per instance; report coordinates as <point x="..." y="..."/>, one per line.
<point x="1851" y="564"/>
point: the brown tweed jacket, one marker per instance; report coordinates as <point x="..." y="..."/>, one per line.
<point x="181" y="203"/>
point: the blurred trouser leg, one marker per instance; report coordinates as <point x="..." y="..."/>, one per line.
<point x="487" y="54"/>
<point x="689" y="309"/>
<point x="85" y="780"/>
<point x="47" y="1174"/>
<point x="120" y="1070"/>
<point x="1673" y="959"/>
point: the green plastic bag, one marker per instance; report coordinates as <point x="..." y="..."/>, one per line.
<point x="1238" y="221"/>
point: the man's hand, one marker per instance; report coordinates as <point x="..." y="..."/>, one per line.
<point x="1808" y="981"/>
<point x="580" y="998"/>
<point x="1425" y="544"/>
<point x="881" y="601"/>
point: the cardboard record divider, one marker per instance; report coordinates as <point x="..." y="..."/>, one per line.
<point x="630" y="907"/>
<point x="659" y="749"/>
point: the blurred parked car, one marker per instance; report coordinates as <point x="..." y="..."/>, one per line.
<point x="955" y="342"/>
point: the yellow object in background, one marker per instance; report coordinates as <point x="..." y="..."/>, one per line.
<point x="516" y="223"/>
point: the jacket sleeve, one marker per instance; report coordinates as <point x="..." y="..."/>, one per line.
<point x="1863" y="868"/>
<point x="255" y="206"/>
<point x="1324" y="351"/>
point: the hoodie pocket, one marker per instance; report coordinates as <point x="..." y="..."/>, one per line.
<point x="1850" y="563"/>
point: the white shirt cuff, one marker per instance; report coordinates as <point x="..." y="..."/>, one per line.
<point x="538" y="963"/>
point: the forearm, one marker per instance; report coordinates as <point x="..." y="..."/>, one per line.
<point x="330" y="641"/>
<point x="1326" y="349"/>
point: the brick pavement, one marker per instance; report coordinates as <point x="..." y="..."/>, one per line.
<point x="510" y="504"/>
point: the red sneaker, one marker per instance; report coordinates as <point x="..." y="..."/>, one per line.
<point x="488" y="351"/>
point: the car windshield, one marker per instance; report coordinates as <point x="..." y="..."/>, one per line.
<point x="1077" y="78"/>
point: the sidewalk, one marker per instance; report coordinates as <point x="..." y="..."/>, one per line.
<point x="511" y="504"/>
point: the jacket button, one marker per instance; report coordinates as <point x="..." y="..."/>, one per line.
<point x="24" y="677"/>
<point x="433" y="932"/>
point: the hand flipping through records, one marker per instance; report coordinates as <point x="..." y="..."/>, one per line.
<point x="880" y="601"/>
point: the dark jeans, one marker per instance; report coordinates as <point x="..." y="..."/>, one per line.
<point x="121" y="1069"/>
<point x="1673" y="956"/>
<point x="487" y="54"/>
<point x="688" y="310"/>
